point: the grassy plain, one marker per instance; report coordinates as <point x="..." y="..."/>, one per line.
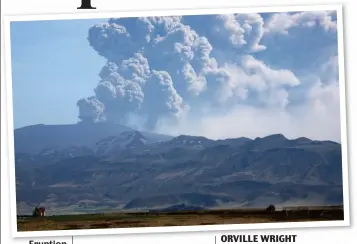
<point x="187" y="218"/>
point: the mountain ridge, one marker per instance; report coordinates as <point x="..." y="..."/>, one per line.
<point x="33" y="138"/>
<point x="133" y="170"/>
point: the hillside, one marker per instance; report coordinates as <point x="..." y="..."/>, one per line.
<point x="131" y="170"/>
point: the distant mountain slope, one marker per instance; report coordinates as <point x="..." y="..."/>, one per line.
<point x="34" y="138"/>
<point x="131" y="170"/>
<point x="126" y="140"/>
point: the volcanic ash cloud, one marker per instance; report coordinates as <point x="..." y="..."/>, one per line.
<point x="166" y="68"/>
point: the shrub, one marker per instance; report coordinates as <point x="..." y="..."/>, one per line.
<point x="271" y="208"/>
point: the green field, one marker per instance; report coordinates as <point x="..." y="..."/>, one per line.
<point x="187" y="218"/>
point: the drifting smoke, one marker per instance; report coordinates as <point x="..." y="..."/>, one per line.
<point x="174" y="68"/>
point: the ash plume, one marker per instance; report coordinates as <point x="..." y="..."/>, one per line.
<point x="167" y="68"/>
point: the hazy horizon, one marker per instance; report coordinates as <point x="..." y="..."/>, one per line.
<point x="194" y="135"/>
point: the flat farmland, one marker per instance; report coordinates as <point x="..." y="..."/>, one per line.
<point x="186" y="218"/>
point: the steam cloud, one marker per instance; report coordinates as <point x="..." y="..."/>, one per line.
<point x="167" y="70"/>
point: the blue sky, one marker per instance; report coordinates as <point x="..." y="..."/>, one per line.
<point x="275" y="72"/>
<point x="52" y="67"/>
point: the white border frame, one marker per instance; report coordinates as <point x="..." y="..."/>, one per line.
<point x="97" y="15"/>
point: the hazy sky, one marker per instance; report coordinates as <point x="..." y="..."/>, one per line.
<point x="235" y="75"/>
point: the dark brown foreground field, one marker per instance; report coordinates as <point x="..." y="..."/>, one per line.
<point x="153" y="219"/>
